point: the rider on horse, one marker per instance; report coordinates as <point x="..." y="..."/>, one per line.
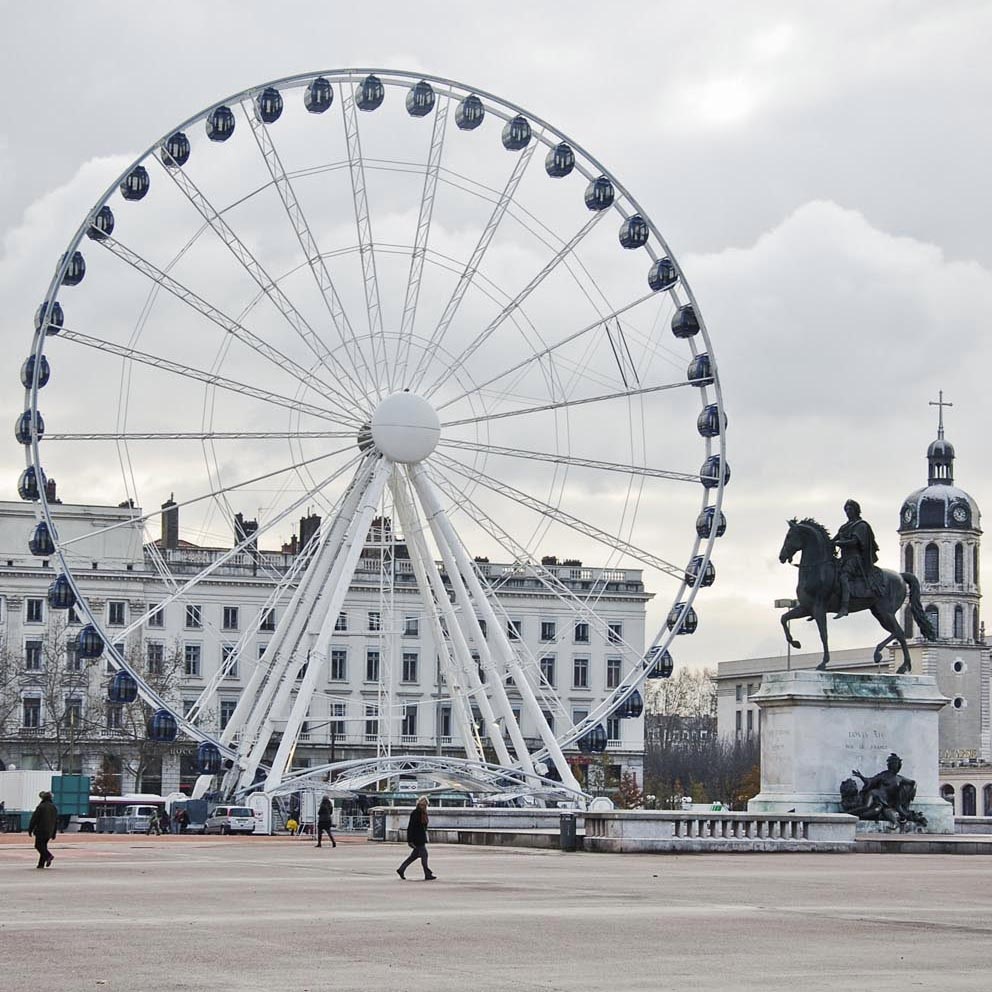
<point x="858" y="553"/>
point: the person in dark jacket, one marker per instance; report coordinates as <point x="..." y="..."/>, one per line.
<point x="416" y="837"/>
<point x="325" y="814"/>
<point x="44" y="826"/>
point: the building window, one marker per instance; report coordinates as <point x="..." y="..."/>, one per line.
<point x="974" y="625"/>
<point x="931" y="563"/>
<point x="34" y="656"/>
<point x="578" y="716"/>
<point x="613" y="728"/>
<point x="72" y="660"/>
<point x="73" y="616"/>
<point x="73" y="715"/>
<point x="155" y="653"/>
<point x="411" y="627"/>
<point x="750" y="722"/>
<point x="194" y="616"/>
<point x="231" y="617"/>
<point x="549" y="630"/>
<point x="114" y="715"/>
<point x="514" y="628"/>
<point x="750" y="689"/>
<point x="341" y="624"/>
<point x="371" y="722"/>
<point x="482" y="627"/>
<point x="339" y="665"/>
<point x="268" y="621"/>
<point x="548" y="669"/>
<point x="933" y="615"/>
<point x="371" y="666"/>
<point x="549" y="719"/>
<point x="410" y="666"/>
<point x="34" y="610"/>
<point x="302" y="670"/>
<point x="157" y="619"/>
<point x="614" y="633"/>
<point x="582" y="633"/>
<point x="959" y="564"/>
<point x="445" y="723"/>
<point x="969" y="801"/>
<point x="974" y="566"/>
<point x="229" y="661"/>
<point x="959" y="622"/>
<point x="739" y="722"/>
<point x="191" y="660"/>
<point x="908" y="558"/>
<point x="580" y="673"/>
<point x="612" y="672"/>
<point x="262" y="648"/>
<point x="336" y="726"/>
<point x="739" y="692"/>
<point x="375" y="621"/>
<point x="188" y="705"/>
<point x="116" y="610"/>
<point x="409" y="726"/>
<point x="31" y="712"/>
<point x="907" y="622"/>
<point x="477" y="658"/>
<point x="227" y="708"/>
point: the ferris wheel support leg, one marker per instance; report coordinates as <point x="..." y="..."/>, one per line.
<point x="428" y="495"/>
<point x="339" y="582"/>
<point x="428" y="582"/>
<point x="255" y="705"/>
<point x="452" y="551"/>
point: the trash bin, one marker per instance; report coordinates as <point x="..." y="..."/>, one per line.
<point x="566" y="837"/>
<point x="378" y="825"/>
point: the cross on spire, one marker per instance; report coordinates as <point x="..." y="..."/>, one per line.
<point x="940" y="422"/>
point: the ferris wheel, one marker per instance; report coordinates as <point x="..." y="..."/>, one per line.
<point x="425" y="313"/>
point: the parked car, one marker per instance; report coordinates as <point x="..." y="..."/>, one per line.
<point x="230" y="820"/>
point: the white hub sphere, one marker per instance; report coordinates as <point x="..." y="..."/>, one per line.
<point x="405" y="428"/>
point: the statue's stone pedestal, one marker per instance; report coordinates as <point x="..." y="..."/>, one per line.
<point x="816" y="727"/>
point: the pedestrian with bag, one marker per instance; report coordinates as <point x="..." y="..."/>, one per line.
<point x="44" y="827"/>
<point x="325" y="818"/>
<point x="416" y="837"/>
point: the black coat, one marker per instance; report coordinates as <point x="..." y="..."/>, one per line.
<point x="416" y="830"/>
<point x="325" y="815"/>
<point x="44" y="820"/>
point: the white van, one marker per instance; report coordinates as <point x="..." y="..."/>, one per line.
<point x="230" y="820"/>
<point x="138" y="817"/>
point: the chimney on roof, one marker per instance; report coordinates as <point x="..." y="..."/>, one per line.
<point x="170" y="524"/>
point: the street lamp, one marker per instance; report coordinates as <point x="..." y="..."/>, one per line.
<point x="787" y="604"/>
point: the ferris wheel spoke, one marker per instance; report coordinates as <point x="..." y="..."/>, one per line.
<point x="231" y="326"/>
<point x="472" y="265"/>
<point x="363" y="223"/>
<point x="539" y="356"/>
<point x="199" y="436"/>
<point x="234" y="487"/>
<point x="311" y="251"/>
<point x="253" y="267"/>
<point x="421" y="238"/>
<point x="248" y="541"/>
<point x="517" y="301"/>
<point x="210" y="378"/>
<point x="547" y="456"/>
<point x="562" y="404"/>
<point x="553" y="512"/>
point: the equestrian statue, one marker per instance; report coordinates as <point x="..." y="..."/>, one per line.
<point x="850" y="583"/>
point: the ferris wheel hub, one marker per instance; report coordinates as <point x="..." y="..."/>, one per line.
<point x="405" y="428"/>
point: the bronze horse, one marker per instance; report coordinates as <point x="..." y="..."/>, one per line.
<point x="818" y="591"/>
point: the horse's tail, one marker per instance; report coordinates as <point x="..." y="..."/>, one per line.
<point x="916" y="606"/>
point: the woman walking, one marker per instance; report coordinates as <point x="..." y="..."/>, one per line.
<point x="44" y="826"/>
<point x="325" y="815"/>
<point x="416" y="837"/>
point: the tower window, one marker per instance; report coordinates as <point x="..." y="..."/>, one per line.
<point x="931" y="563"/>
<point x="933" y="615"/>
<point x="959" y="564"/>
<point x="959" y="622"/>
<point x="908" y="558"/>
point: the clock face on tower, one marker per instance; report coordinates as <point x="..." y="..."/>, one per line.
<point x="960" y="514"/>
<point x="907" y="515"/>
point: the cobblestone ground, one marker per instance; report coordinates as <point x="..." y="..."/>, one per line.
<point x="218" y="913"/>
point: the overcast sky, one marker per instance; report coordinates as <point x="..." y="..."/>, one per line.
<point x="819" y="170"/>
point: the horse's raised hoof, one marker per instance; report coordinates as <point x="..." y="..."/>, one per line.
<point x="904" y="669"/>
<point x="822" y="667"/>
<point x="878" y="657"/>
<point x="795" y="644"/>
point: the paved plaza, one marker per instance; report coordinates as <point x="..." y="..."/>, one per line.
<point x="147" y="913"/>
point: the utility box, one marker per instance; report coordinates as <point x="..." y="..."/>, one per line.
<point x="71" y="793"/>
<point x="567" y="839"/>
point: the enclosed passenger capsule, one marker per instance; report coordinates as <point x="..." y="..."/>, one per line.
<point x="41" y="544"/>
<point x="123" y="688"/>
<point x="685" y="323"/>
<point x="560" y="161"/>
<point x="420" y="99"/>
<point x="75" y="270"/>
<point x="22" y="429"/>
<point x="27" y="372"/>
<point x="162" y="727"/>
<point x="102" y="225"/>
<point x="711" y="422"/>
<point x="208" y="758"/>
<point x="89" y="643"/>
<point x="599" y="194"/>
<point x="593" y="741"/>
<point x="370" y="94"/>
<point x="469" y="113"/>
<point x="55" y="320"/>
<point x="662" y="275"/>
<point x="700" y="372"/>
<point x="175" y="151"/>
<point x="694" y="568"/>
<point x="60" y="594"/>
<point x="135" y="184"/>
<point x="319" y="95"/>
<point x="634" y="232"/>
<point x="268" y="105"/>
<point x="219" y="124"/>
<point x="661" y="664"/>
<point x="688" y="617"/>
<point x="632" y="707"/>
<point x="705" y="522"/>
<point x="711" y="471"/>
<point x="516" y="133"/>
<point x="28" y="485"/>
